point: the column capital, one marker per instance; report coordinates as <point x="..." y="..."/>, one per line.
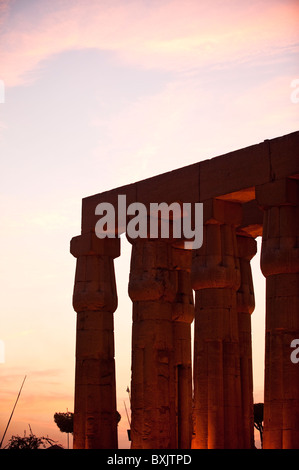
<point x="89" y="244"/>
<point x="247" y="247"/>
<point x="216" y="263"/>
<point x="280" y="252"/>
<point x="95" y="286"/>
<point x="151" y="272"/>
<point x="183" y="306"/>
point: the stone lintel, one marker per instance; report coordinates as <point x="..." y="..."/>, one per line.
<point x="230" y="177"/>
<point x="234" y="171"/>
<point x="277" y="193"/>
<point x="284" y="156"/>
<point x="181" y="185"/>
<point x="89" y="204"/>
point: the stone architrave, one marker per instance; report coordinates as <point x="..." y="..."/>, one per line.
<point x="95" y="300"/>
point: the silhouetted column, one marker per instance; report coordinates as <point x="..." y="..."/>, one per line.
<point x="152" y="289"/>
<point x="217" y="385"/>
<point x="280" y="266"/>
<point x="245" y="305"/>
<point x="95" y="300"/>
<point x="183" y="315"/>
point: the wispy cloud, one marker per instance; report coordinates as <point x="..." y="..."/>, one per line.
<point x="4" y="9"/>
<point x="41" y="387"/>
<point x="167" y="35"/>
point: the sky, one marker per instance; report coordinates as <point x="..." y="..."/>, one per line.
<point x="97" y="95"/>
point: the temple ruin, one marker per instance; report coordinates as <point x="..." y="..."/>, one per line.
<point x="246" y="193"/>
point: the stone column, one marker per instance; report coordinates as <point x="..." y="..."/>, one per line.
<point x="183" y="316"/>
<point x="245" y="305"/>
<point x="95" y="300"/>
<point x="280" y="266"/>
<point x="217" y="385"/>
<point x="152" y="289"/>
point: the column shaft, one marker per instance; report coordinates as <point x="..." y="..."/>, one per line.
<point x="245" y="305"/>
<point x="217" y="387"/>
<point x="95" y="300"/>
<point x="183" y="316"/>
<point x="152" y="288"/>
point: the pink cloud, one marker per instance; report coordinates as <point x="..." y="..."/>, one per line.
<point x="169" y="35"/>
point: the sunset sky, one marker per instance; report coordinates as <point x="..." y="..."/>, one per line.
<point x="99" y="94"/>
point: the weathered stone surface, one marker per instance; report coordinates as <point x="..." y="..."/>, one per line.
<point x="234" y="171"/>
<point x="216" y="264"/>
<point x="278" y="192"/>
<point x="225" y="212"/>
<point x="152" y="288"/>
<point x="182" y="186"/>
<point x="161" y="387"/>
<point x="247" y="248"/>
<point x="284" y="156"/>
<point x="95" y="300"/>
<point x="217" y="381"/>
<point x="90" y="244"/>
<point x="182" y="317"/>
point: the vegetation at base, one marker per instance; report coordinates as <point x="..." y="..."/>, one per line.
<point x="29" y="442"/>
